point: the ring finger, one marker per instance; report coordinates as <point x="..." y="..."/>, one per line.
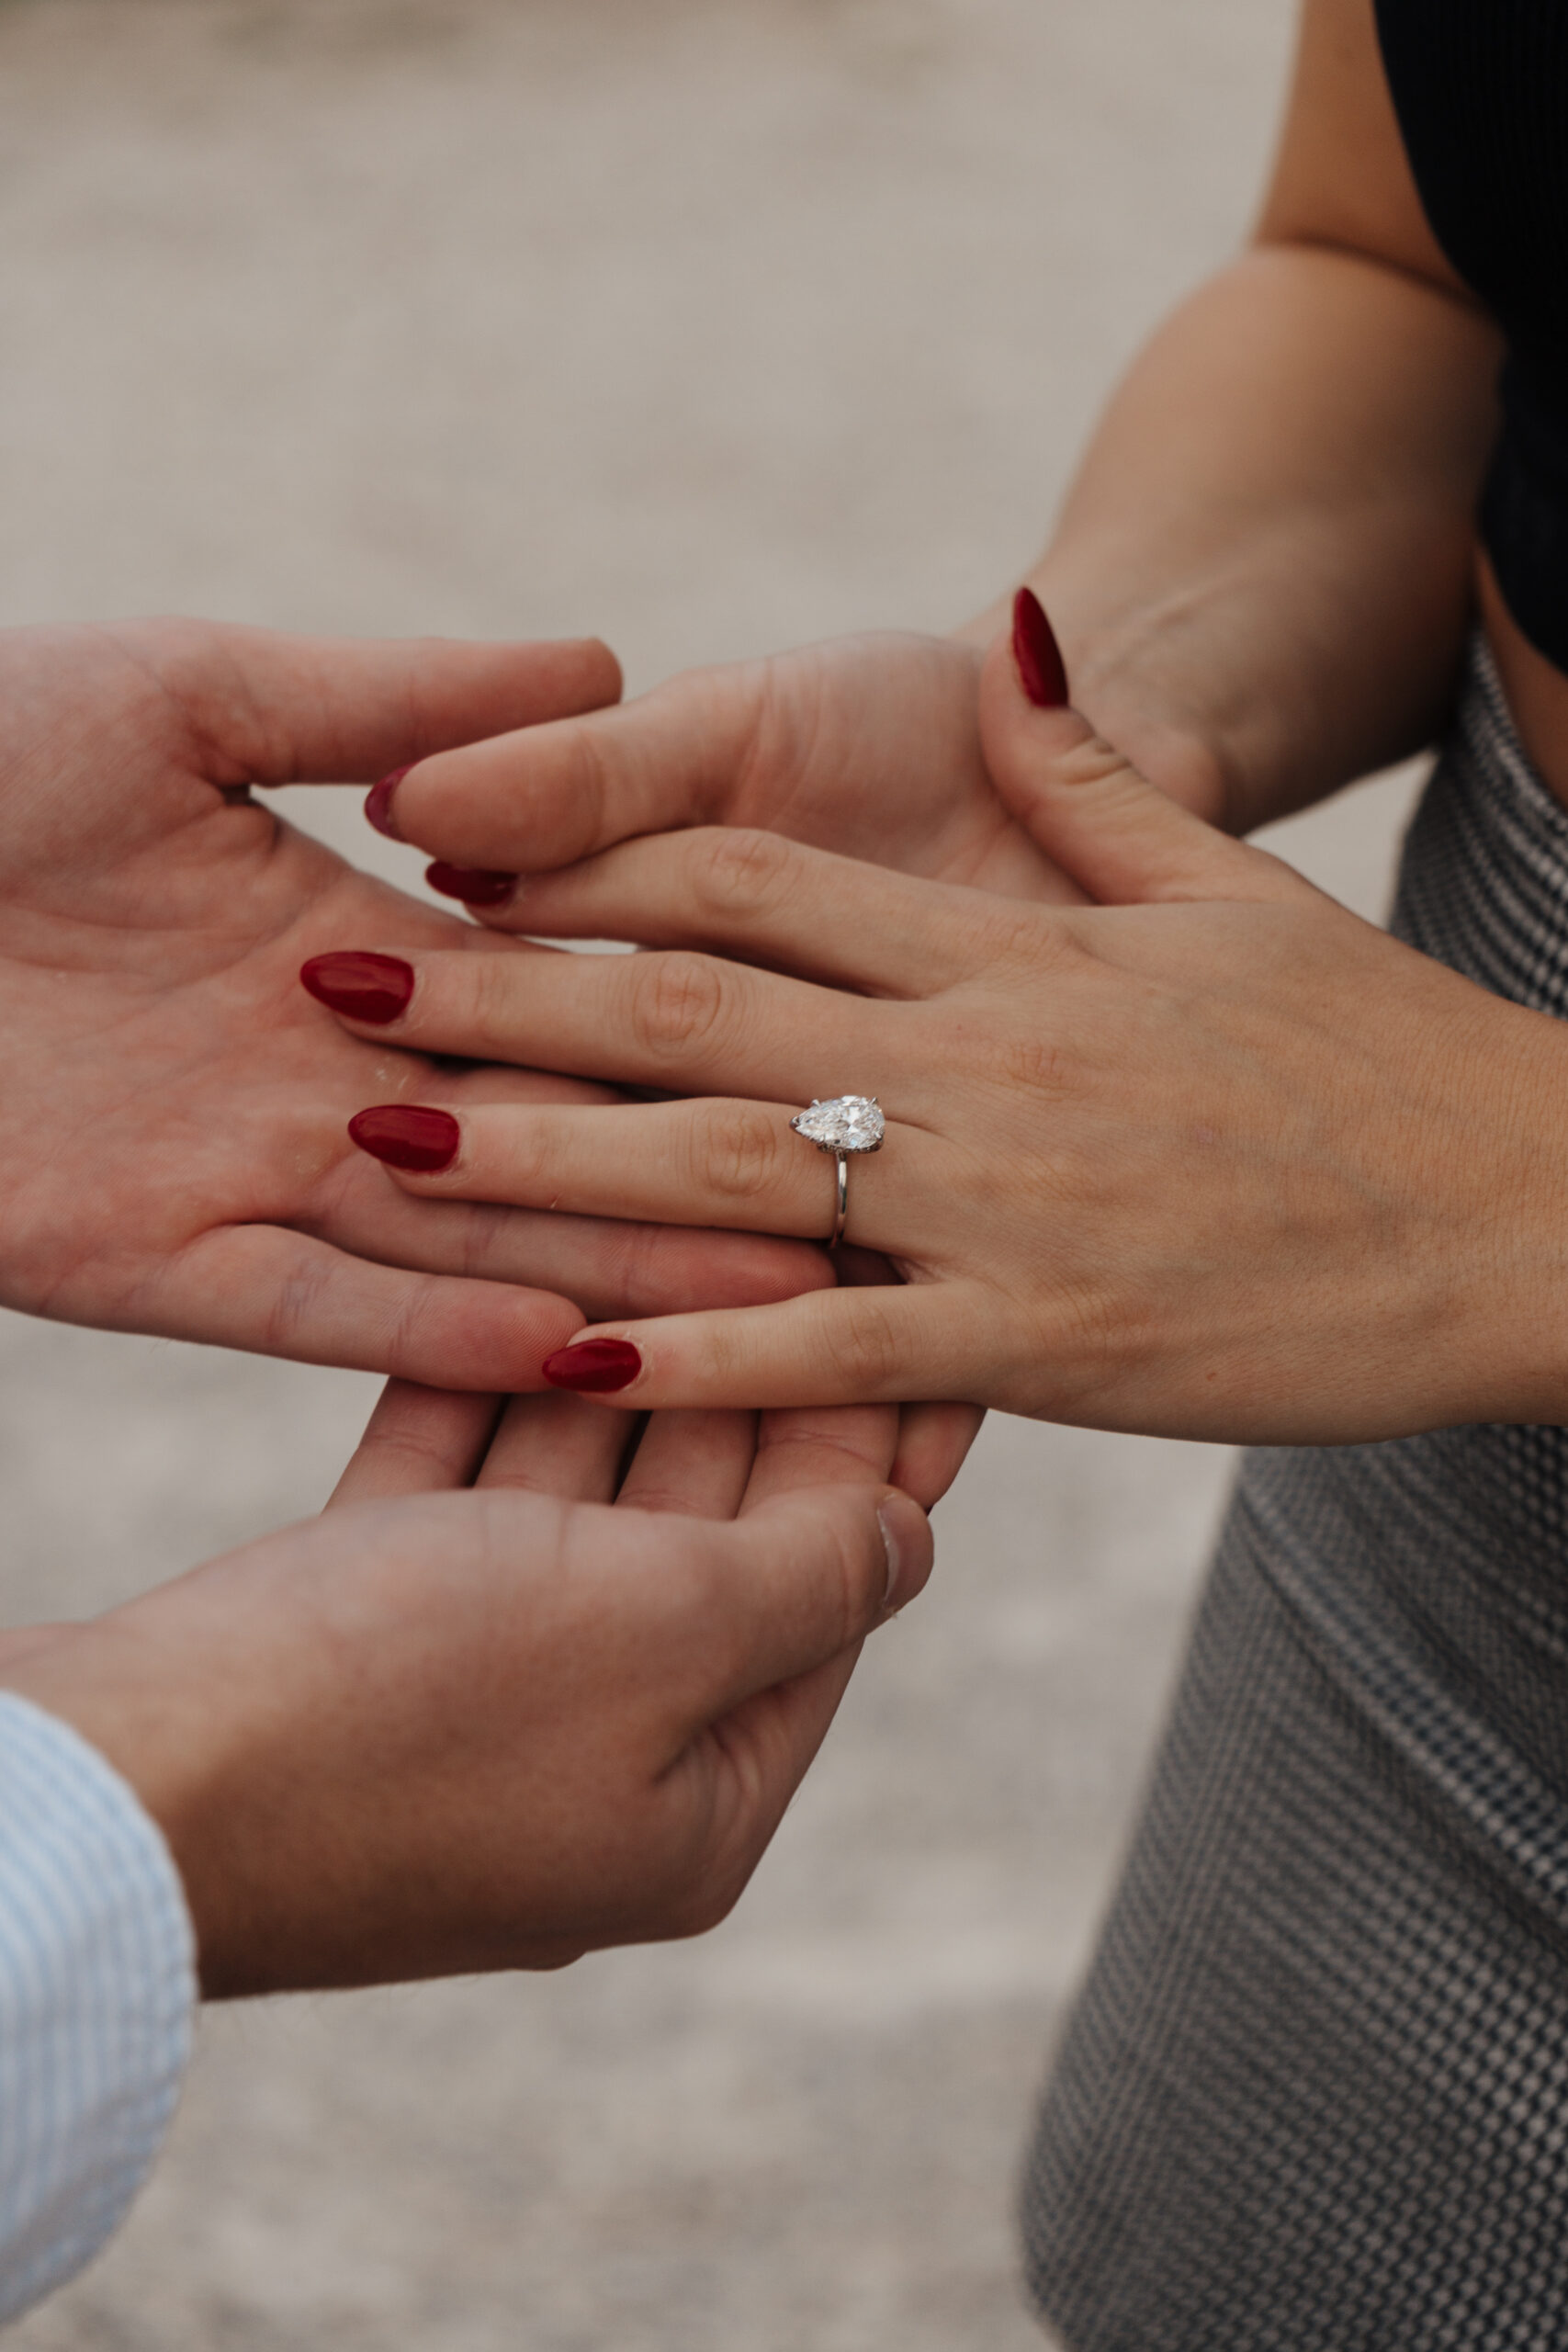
<point x="708" y="1162"/>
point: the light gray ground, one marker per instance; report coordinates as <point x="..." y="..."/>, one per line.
<point x="713" y="328"/>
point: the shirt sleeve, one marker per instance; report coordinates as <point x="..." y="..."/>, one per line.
<point x="97" y="2000"/>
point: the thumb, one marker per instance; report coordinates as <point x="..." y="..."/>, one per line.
<point x="804" y="1577"/>
<point x="1121" y="838"/>
<point x="824" y="1569"/>
<point x="265" y="708"/>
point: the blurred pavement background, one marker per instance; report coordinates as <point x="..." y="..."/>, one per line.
<point x="711" y="327"/>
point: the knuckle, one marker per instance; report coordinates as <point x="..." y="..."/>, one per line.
<point x="784" y="721"/>
<point x="837" y="1433"/>
<point x="1008" y="935"/>
<point x="404" y="1327"/>
<point x="486" y="1248"/>
<point x="741" y="874"/>
<point x="737" y="1152"/>
<point x="1093" y="764"/>
<point x="1103" y="1341"/>
<point x="635" y="1264"/>
<point x="528" y="1162"/>
<point x="489" y="984"/>
<point x="677" y="1002"/>
<point x="1041" y="1065"/>
<point x="668" y="1501"/>
<point x="588" y="792"/>
<point x="400" y="1445"/>
<point x="863" y="1348"/>
<point x="851" y="1616"/>
<point x="293" y="1308"/>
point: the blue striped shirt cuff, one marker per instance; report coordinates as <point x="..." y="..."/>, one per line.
<point x="97" y="1998"/>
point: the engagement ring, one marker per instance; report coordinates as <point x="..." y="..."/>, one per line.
<point x="846" y="1124"/>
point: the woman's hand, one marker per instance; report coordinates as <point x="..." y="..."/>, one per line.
<point x="1215" y="1159"/>
<point x="868" y="746"/>
<point x="173" y="1155"/>
<point x="442" y="1731"/>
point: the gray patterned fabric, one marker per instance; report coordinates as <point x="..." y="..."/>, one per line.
<point x="1314" y="2092"/>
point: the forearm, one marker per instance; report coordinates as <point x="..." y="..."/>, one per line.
<point x="1262" y="573"/>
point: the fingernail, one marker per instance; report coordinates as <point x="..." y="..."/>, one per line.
<point x="407" y="1136"/>
<point x="379" y="803"/>
<point x="1042" y="672"/>
<point x="360" y="985"/>
<point x="594" y="1368"/>
<point x="907" y="1538"/>
<point x="477" y="886"/>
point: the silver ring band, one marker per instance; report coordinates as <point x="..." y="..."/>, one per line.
<point x="845" y="1125"/>
<point x="842" y="1211"/>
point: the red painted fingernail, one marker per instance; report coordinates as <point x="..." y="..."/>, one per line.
<point x="477" y="886"/>
<point x="379" y="803"/>
<point x="408" y="1135"/>
<point x="1042" y="672"/>
<point x="363" y="986"/>
<point x="596" y="1368"/>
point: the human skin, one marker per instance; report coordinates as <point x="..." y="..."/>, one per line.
<point x="172" y="1153"/>
<point x="1209" y="1158"/>
<point x="1262" y="576"/>
<point x="868" y="745"/>
<point x="505" y="1723"/>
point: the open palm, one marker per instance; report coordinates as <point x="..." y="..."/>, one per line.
<point x="172" y="1108"/>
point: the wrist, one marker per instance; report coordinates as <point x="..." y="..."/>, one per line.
<point x="163" y="1732"/>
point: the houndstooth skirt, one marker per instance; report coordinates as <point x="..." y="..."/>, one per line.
<point x="1314" y="2091"/>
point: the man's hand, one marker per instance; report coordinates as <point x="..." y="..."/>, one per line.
<point x="173" y="1154"/>
<point x="439" y="1732"/>
<point x="868" y="746"/>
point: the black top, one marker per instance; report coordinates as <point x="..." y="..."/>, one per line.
<point x="1480" y="90"/>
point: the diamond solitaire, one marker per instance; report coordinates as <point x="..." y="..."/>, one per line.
<point x="847" y="1122"/>
<point x="850" y="1123"/>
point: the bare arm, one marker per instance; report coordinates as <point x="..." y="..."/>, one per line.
<point x="1263" y="572"/>
<point x="1261" y="577"/>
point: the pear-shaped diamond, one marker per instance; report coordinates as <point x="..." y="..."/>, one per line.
<point x="849" y="1123"/>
